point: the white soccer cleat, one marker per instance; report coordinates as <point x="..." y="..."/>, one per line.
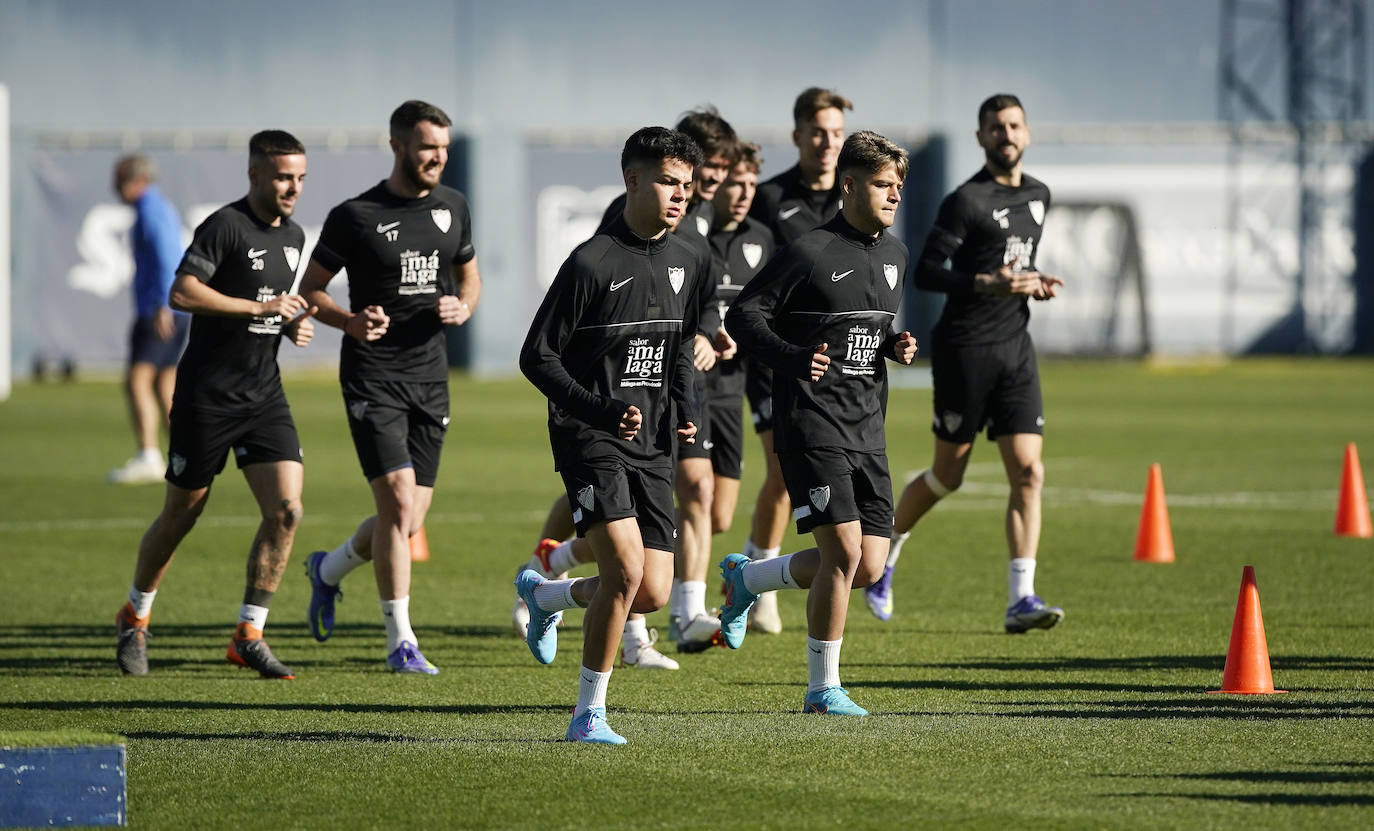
<point x="139" y="470"/>
<point x="699" y="634"/>
<point x="645" y="656"/>
<point x="764" y="616"/>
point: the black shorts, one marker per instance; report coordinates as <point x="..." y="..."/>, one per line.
<point x="997" y="386"/>
<point x="726" y="441"/>
<point x="145" y="347"/>
<point x="701" y="447"/>
<point x="604" y="489"/>
<point x="829" y="486"/>
<point x="398" y="424"/>
<point x="758" y="388"/>
<point x="200" y="440"/>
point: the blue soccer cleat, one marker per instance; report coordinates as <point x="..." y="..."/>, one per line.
<point x="542" y="634"/>
<point x="590" y="726"/>
<point x="879" y="595"/>
<point x="831" y="701"/>
<point x="1030" y="612"/>
<point x="322" y="598"/>
<point x="407" y="660"/>
<point x="734" y="615"/>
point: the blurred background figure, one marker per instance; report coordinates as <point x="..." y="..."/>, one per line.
<point x="158" y="334"/>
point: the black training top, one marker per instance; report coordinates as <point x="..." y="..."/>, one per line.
<point x="616" y="329"/>
<point x="694" y="228"/>
<point x="399" y="252"/>
<point x="836" y="286"/>
<point x="230" y="363"/>
<point x="737" y="256"/>
<point x="790" y="208"/>
<point x="982" y="226"/>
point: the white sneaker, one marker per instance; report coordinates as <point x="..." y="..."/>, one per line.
<point x="645" y="656"/>
<point x="699" y="634"/>
<point x="140" y="470"/>
<point x="764" y="616"/>
<point x="520" y="617"/>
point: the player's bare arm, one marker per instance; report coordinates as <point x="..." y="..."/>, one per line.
<point x="368" y="325"/>
<point x="456" y="309"/>
<point x="189" y="294"/>
<point x="1005" y="281"/>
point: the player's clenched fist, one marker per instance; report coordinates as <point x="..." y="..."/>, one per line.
<point x="819" y="362"/>
<point x="629" y="423"/>
<point x="453" y="311"/>
<point x="285" y="305"/>
<point x="302" y="329"/>
<point x="368" y="325"/>
<point x="905" y="348"/>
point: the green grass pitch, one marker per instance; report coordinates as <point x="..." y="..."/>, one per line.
<point x="1103" y="722"/>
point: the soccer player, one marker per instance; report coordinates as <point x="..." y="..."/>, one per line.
<point x="159" y="334"/>
<point x="236" y="280"/>
<point x="611" y="348"/>
<point x="791" y="203"/>
<point x="821" y="313"/>
<point x="407" y="245"/>
<point x="983" y="363"/>
<point x="689" y="624"/>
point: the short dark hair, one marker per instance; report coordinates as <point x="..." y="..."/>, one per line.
<point x="658" y="144"/>
<point x="870" y="152"/>
<point x="269" y="143"/>
<point x="405" y="117"/>
<point x="135" y="166"/>
<point x="713" y="134"/>
<point x="813" y="100"/>
<point x="997" y="103"/>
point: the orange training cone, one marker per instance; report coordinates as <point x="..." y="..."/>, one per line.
<point x="1352" y="512"/>
<point x="419" y="547"/>
<point x="1154" y="542"/>
<point x="1247" y="659"/>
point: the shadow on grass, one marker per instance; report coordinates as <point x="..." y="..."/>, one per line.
<point x="80" y="636"/>
<point x="286" y="706"/>
<point x="1314" y="800"/>
<point x="1143" y="662"/>
<point x="1014" y="686"/>
<point x="1289" y="776"/>
<point x="1256" y="708"/>
<point x="322" y="736"/>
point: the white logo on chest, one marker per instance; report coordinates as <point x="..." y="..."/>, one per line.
<point x="1019" y="253"/>
<point x="442" y="219"/>
<point x="1037" y="211"/>
<point x="753" y="252"/>
<point x="293" y="256"/>
<point x="703" y="227"/>
<point x="643" y="363"/>
<point x="675" y="277"/>
<point x="890" y="272"/>
<point x="1000" y="216"/>
<point x="255" y="257"/>
<point x="389" y="230"/>
<point x="265" y="324"/>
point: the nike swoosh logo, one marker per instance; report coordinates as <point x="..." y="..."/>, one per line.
<point x="815" y="650"/>
<point x="835" y="278"/>
<point x="999" y="214"/>
<point x="254" y="254"/>
<point x="589" y="680"/>
<point x="789" y="213"/>
<point x="615" y="285"/>
<point x="382" y="229"/>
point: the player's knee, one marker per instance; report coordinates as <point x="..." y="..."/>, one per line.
<point x="944" y="483"/>
<point x="650" y="598"/>
<point x="287" y="515"/>
<point x="698" y="490"/>
<point x="868" y="572"/>
<point x="721" y="520"/>
<point x="1030" y="476"/>
<point x="623" y="580"/>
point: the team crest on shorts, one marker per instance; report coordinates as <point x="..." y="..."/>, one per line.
<point x="753" y="253"/>
<point x="293" y="256"/>
<point x="442" y="218"/>
<point x="890" y="272"/>
<point x="675" y="277"/>
<point x="356" y="409"/>
<point x="178" y="464"/>
<point x="952" y="420"/>
<point x="1037" y="211"/>
<point x="820" y="497"/>
<point x="585" y="498"/>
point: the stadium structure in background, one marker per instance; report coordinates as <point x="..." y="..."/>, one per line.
<point x="1292" y="93"/>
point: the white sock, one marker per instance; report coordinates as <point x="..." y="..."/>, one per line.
<point x="1021" y="579"/>
<point x="142" y="602"/>
<point x="675" y="599"/>
<point x="693" y="598"/>
<point x="768" y="575"/>
<point x="823" y="663"/>
<point x="591" y="690"/>
<point x="339" y="562"/>
<point x="561" y="559"/>
<point x="254" y="616"/>
<point x="764" y="553"/>
<point x="555" y="595"/>
<point x="151" y="455"/>
<point x="396" y="615"/>
<point x="636" y="634"/>
<point x="894" y="548"/>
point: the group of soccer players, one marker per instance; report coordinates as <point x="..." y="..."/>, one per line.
<point x="700" y="289"/>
